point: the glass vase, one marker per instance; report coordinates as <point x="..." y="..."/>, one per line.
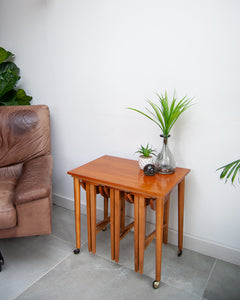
<point x="165" y="162"/>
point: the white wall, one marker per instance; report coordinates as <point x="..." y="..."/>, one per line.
<point x="88" y="60"/>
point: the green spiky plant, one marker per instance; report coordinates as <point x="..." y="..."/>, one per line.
<point x="146" y="151"/>
<point x="230" y="171"/>
<point x="165" y="113"/>
<point x="9" y="76"/>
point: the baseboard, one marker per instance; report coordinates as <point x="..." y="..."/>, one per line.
<point x="206" y="247"/>
<point x="63" y="201"/>
<point x="190" y="242"/>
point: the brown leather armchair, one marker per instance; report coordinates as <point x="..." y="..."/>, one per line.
<point x="25" y="171"/>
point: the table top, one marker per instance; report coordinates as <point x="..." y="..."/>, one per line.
<point x="125" y="175"/>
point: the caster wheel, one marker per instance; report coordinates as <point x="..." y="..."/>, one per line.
<point x="1" y="261"/>
<point x="179" y="253"/>
<point x="156" y="284"/>
<point x="104" y="229"/>
<point x="76" y="251"/>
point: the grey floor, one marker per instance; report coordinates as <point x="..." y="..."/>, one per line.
<point x="45" y="267"/>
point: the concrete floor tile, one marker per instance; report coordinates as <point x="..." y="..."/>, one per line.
<point x="63" y="225"/>
<point x="28" y="259"/>
<point x="188" y="272"/>
<point x="87" y="276"/>
<point x="224" y="283"/>
<point x="45" y="267"/>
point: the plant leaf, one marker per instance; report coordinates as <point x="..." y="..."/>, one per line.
<point x="22" y="98"/>
<point x="235" y="172"/>
<point x="230" y="170"/>
<point x="5" y="66"/>
<point x="144" y="115"/>
<point x="7" y="81"/>
<point x="165" y="115"/>
<point x="9" y="98"/>
<point x="4" y="54"/>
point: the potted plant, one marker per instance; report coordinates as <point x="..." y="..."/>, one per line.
<point x="146" y="156"/>
<point x="9" y="76"/>
<point x="230" y="170"/>
<point x="164" y="114"/>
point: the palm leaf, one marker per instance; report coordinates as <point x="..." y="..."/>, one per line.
<point x="165" y="114"/>
<point x="235" y="172"/>
<point x="144" y="115"/>
<point x="230" y="170"/>
<point x="161" y="124"/>
<point x="158" y="115"/>
<point x="165" y="108"/>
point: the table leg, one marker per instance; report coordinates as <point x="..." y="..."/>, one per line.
<point x="77" y="205"/>
<point x="105" y="207"/>
<point x="117" y="223"/>
<point x="93" y="216"/>
<point x="166" y="220"/>
<point x="142" y="230"/>
<point x="122" y="222"/>
<point x="136" y="236"/>
<point x="112" y="222"/>
<point x="105" y="213"/>
<point x="159" y="236"/>
<point x="88" y="202"/>
<point x="181" y="189"/>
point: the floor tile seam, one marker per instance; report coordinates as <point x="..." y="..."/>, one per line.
<point x="209" y="276"/>
<point x="82" y="244"/>
<point x="61" y="239"/>
<point x="69" y="243"/>
<point x="48" y="271"/>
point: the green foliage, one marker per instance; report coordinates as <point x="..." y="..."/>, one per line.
<point x="230" y="170"/>
<point x="4" y="55"/>
<point x="9" y="76"/>
<point x="165" y="114"/>
<point x="146" y="151"/>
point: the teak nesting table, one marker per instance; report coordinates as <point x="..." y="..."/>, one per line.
<point x="124" y="175"/>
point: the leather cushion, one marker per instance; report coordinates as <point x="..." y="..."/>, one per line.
<point x="11" y="171"/>
<point x="35" y="181"/>
<point x="8" y="215"/>
<point x="24" y="133"/>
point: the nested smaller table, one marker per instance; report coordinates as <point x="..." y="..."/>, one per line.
<point x="124" y="175"/>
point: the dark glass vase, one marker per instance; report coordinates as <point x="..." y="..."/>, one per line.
<point x="165" y="162"/>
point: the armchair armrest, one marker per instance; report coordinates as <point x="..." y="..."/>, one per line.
<point x="35" y="181"/>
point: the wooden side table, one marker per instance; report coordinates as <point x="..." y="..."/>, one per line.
<point x="120" y="174"/>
